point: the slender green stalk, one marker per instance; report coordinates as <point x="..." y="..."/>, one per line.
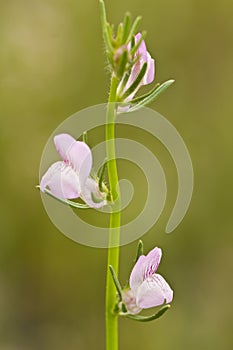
<point x="114" y="226"/>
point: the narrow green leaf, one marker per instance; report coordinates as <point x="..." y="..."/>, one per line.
<point x="139" y="250"/>
<point x="110" y="58"/>
<point x="134" y="28"/>
<point x="109" y="29"/>
<point x="122" y="64"/>
<point x="138" y="254"/>
<point x="108" y="38"/>
<point x="147" y="318"/>
<point x="116" y="282"/>
<point x="132" y="42"/>
<point x="133" y="61"/>
<point x="140" y="98"/>
<point x="85" y="138"/>
<point x="101" y="173"/>
<point x="136" y="82"/>
<point x="103" y="12"/>
<point x="65" y="201"/>
<point x="105" y="24"/>
<point x="119" y="34"/>
<point x="124" y="308"/>
<point x="126" y="28"/>
<point x="123" y="84"/>
<point x="151" y="96"/>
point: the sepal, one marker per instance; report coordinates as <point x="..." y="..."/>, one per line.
<point x="116" y="282"/>
<point x="141" y="318"/>
<point x="65" y="201"/>
<point x="101" y="174"/>
<point x="122" y="63"/>
<point x="139" y="251"/>
<point x="84" y="137"/>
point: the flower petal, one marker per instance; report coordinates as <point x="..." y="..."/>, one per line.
<point x="63" y="142"/>
<point x="142" y="48"/>
<point x="154" y="291"/>
<point x="91" y="194"/>
<point x="133" y="75"/>
<point x="145" y="57"/>
<point x="152" y="262"/>
<point x="129" y="300"/>
<point x="137" y="274"/>
<point x="75" y="154"/>
<point x="145" y="267"/>
<point x="150" y="72"/>
<point x="62" y="181"/>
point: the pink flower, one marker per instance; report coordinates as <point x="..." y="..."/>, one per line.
<point x="144" y="57"/>
<point x="147" y="288"/>
<point x="70" y="178"/>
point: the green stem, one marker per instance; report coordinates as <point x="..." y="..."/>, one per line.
<point x="115" y="218"/>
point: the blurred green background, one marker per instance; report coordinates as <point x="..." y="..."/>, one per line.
<point x="52" y="64"/>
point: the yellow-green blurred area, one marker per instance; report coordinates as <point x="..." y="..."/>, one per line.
<point x="52" y="64"/>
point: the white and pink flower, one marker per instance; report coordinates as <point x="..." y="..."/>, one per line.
<point x="147" y="288"/>
<point x="70" y="178"/>
<point x="143" y="57"/>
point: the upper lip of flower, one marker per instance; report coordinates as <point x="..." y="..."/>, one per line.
<point x="70" y="178"/>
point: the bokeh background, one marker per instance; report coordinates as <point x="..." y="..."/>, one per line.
<point x="52" y="64"/>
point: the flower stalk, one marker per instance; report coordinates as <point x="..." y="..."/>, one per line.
<point x="115" y="219"/>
